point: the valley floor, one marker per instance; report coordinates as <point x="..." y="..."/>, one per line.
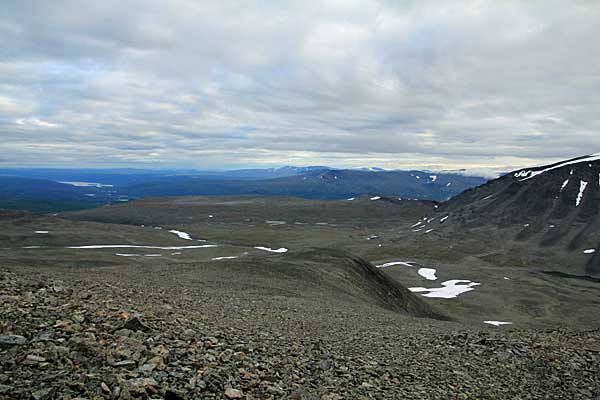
<point x="278" y="298"/>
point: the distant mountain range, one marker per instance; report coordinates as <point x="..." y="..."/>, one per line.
<point x="51" y="190"/>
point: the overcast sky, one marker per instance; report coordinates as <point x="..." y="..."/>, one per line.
<point x="221" y="84"/>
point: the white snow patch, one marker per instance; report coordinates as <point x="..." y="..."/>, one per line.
<point x="135" y="246"/>
<point x="280" y="250"/>
<point x="506" y="278"/>
<point x="582" y="186"/>
<point x="211" y="216"/>
<point x="488" y="197"/>
<point x="417" y="224"/>
<point x="589" y="251"/>
<point x="152" y="255"/>
<point x="351" y="198"/>
<point x="275" y="222"/>
<point x="391" y="264"/>
<point x="433" y="178"/>
<point x="449" y="290"/>
<point x="375" y="198"/>
<point x="443" y="219"/>
<point x="427" y="273"/>
<point x="497" y="323"/>
<point x="41" y="232"/>
<point x="528" y="174"/>
<point x="223" y="258"/>
<point x="181" y="234"/>
<point x="429" y="230"/>
<point x="448" y="184"/>
<point x="176" y="253"/>
<point x="128" y="255"/>
<point x="564" y="185"/>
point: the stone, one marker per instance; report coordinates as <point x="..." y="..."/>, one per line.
<point x="147" y="368"/>
<point x="225" y="355"/>
<point x="7" y="341"/>
<point x="231" y="393"/>
<point x="188" y="333"/>
<point x="127" y="364"/>
<point x="32" y="359"/>
<point x="42" y="394"/>
<point x="135" y="324"/>
<point x="174" y="395"/>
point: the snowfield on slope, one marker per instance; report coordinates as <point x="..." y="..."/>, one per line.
<point x="135" y="246"/>
<point x="497" y="323"/>
<point x="280" y="250"/>
<point x="449" y="290"/>
<point x="428" y="273"/>
<point x="528" y="174"/>
<point x="182" y="235"/>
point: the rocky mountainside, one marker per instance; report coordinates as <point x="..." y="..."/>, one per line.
<point x="556" y="207"/>
<point x="81" y="335"/>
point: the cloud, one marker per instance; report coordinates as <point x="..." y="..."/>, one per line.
<point x="430" y="84"/>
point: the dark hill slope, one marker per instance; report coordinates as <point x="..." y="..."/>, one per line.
<point x="350" y="277"/>
<point x="555" y="207"/>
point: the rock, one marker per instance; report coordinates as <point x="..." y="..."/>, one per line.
<point x="135" y="324"/>
<point x="174" y="395"/>
<point x="127" y="364"/>
<point x="225" y="355"/>
<point x="123" y="332"/>
<point x="302" y="394"/>
<point x="83" y="345"/>
<point x="233" y="393"/>
<point x="42" y="394"/>
<point x="188" y="333"/>
<point x="32" y="359"/>
<point x="275" y="390"/>
<point x="141" y="385"/>
<point x="160" y="351"/>
<point x="157" y="362"/>
<point x="147" y="368"/>
<point x="104" y="387"/>
<point x="7" y="341"/>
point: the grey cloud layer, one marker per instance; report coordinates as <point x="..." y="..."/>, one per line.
<point x="395" y="84"/>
